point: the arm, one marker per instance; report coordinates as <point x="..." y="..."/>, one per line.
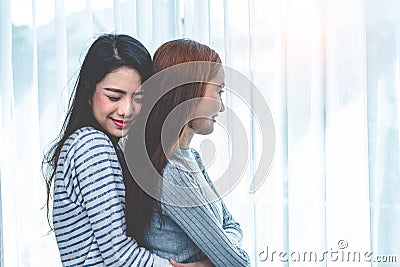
<point x="198" y="222"/>
<point x="203" y="263"/>
<point x="99" y="180"/>
<point x="231" y="227"/>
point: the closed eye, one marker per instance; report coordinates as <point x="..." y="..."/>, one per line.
<point x="221" y="86"/>
<point x="114" y="99"/>
<point x="138" y="97"/>
<point x="138" y="100"/>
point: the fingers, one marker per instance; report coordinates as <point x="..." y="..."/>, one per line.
<point x="177" y="264"/>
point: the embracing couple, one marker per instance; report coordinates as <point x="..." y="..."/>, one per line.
<point x="150" y="202"/>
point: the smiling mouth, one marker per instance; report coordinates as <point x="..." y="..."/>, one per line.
<point x="121" y="123"/>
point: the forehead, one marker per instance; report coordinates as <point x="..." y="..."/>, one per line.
<point x="122" y="78"/>
<point x="219" y="78"/>
<point x="124" y="72"/>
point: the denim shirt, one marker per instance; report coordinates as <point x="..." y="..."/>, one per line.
<point x="194" y="221"/>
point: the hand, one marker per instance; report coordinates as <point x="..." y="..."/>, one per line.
<point x="203" y="263"/>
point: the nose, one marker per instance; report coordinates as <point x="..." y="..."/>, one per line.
<point x="222" y="109"/>
<point x="126" y="109"/>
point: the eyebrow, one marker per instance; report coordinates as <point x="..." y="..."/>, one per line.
<point x="115" y="90"/>
<point x="221" y="85"/>
<point x="121" y="91"/>
<point x="218" y="84"/>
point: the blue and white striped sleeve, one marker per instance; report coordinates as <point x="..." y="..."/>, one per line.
<point x="99" y="183"/>
<point x="200" y="224"/>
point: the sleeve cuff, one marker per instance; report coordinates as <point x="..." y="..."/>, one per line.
<point x="160" y="262"/>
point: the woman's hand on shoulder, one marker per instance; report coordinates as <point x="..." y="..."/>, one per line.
<point x="203" y="263"/>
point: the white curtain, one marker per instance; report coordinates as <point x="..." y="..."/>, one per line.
<point x="329" y="70"/>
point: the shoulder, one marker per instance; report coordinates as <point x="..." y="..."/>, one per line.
<point x="201" y="165"/>
<point x="174" y="171"/>
<point x="195" y="152"/>
<point x="85" y="140"/>
<point x="181" y="171"/>
<point x="88" y="134"/>
<point x="198" y="158"/>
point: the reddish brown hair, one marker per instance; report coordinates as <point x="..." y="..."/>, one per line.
<point x="159" y="101"/>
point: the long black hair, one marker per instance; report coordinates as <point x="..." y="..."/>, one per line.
<point x="108" y="53"/>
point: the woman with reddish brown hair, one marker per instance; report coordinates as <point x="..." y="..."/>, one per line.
<point x="182" y="216"/>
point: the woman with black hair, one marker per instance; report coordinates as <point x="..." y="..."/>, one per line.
<point x="87" y="169"/>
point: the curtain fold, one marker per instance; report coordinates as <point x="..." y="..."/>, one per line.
<point x="7" y="168"/>
<point x="30" y="195"/>
<point x="129" y="22"/>
<point x="329" y="71"/>
<point x="117" y="16"/>
<point x="89" y="19"/>
<point x="165" y="22"/>
<point x="305" y="121"/>
<point x="1" y="219"/>
<point x="145" y="23"/>
<point x="346" y="132"/>
<point x="383" y="98"/>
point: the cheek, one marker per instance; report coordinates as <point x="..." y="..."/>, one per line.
<point x="198" y="110"/>
<point x="217" y="104"/>
<point x="209" y="105"/>
<point x="98" y="101"/>
<point x="137" y="108"/>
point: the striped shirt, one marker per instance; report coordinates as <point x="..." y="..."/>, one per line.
<point x="194" y="221"/>
<point x="89" y="206"/>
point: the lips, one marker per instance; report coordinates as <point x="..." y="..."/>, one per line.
<point x="121" y="123"/>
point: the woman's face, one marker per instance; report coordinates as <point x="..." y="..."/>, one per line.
<point x="209" y="106"/>
<point x="117" y="100"/>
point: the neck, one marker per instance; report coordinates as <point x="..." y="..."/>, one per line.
<point x="186" y="137"/>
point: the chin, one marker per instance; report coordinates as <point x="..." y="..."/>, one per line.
<point x="120" y="133"/>
<point x="206" y="131"/>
